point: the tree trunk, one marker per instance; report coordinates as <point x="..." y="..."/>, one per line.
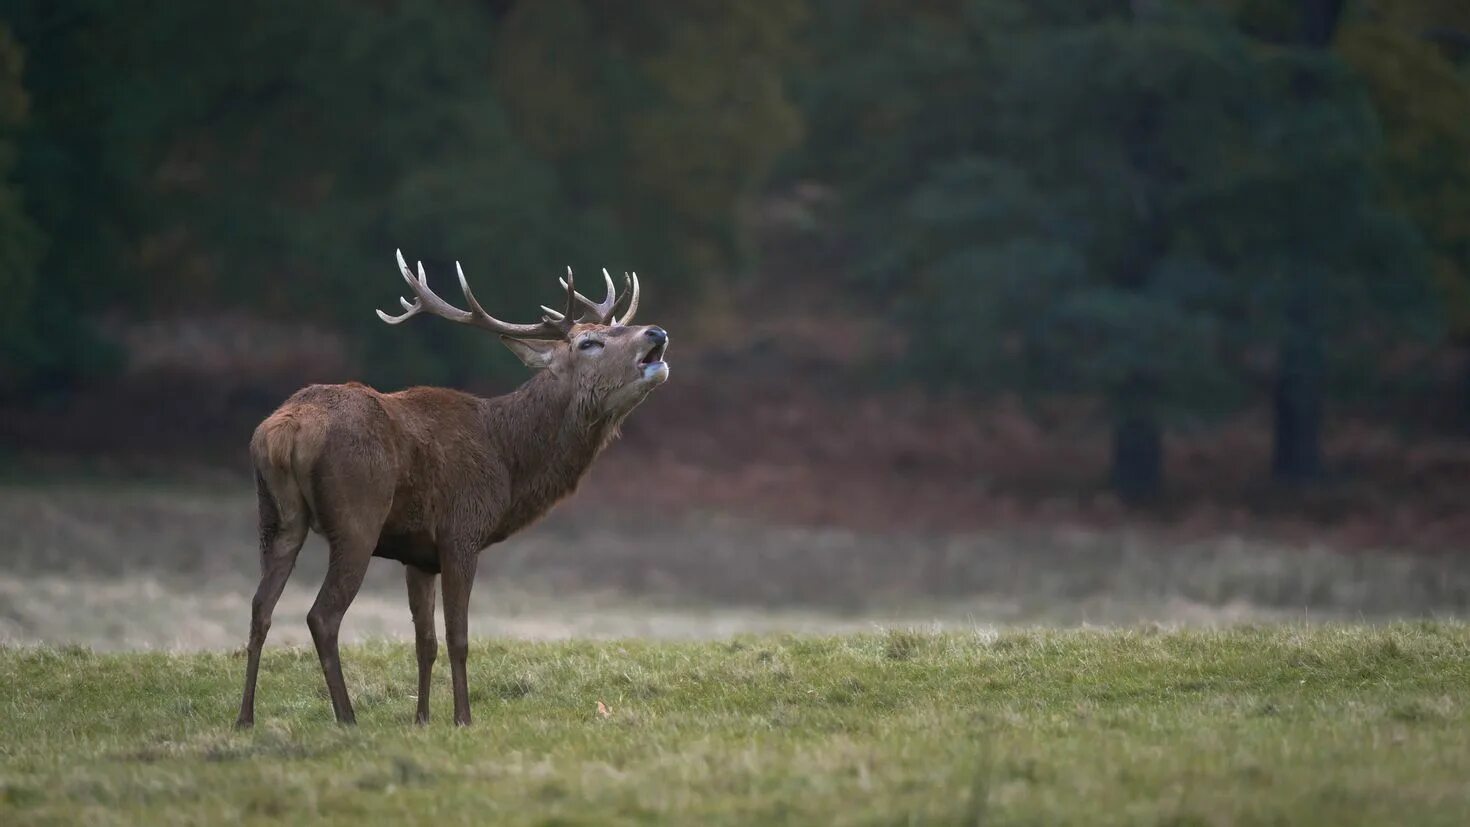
<point x="1462" y="406"/>
<point x="1138" y="454"/>
<point x="1297" y="399"/>
<point x="1319" y="21"/>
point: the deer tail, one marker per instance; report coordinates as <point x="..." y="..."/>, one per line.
<point x="284" y="449"/>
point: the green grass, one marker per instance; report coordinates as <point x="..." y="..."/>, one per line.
<point x="1276" y="725"/>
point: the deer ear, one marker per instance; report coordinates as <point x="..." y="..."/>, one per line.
<point x="536" y="353"/>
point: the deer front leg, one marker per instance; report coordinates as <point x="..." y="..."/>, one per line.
<point x="426" y="646"/>
<point x="459" y="578"/>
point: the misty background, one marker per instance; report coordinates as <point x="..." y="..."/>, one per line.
<point x="982" y="311"/>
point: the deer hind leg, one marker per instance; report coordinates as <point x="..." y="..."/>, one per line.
<point x="345" y="569"/>
<point x="281" y="537"/>
<point x="426" y="646"/>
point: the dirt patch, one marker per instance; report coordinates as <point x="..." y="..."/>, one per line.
<point x="905" y="461"/>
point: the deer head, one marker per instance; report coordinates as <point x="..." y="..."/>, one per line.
<point x="612" y="364"/>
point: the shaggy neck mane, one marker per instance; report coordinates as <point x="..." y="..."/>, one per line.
<point x="561" y="432"/>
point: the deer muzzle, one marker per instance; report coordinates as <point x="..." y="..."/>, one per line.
<point x="652" y="362"/>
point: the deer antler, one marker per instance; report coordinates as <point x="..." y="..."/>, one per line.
<point x="631" y="280"/>
<point x="553" y="325"/>
<point x="602" y="312"/>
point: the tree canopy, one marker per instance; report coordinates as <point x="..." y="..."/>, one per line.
<point x="1172" y="208"/>
<point x="252" y="156"/>
<point x="1162" y="206"/>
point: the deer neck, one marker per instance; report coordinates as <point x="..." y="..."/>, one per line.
<point x="548" y="436"/>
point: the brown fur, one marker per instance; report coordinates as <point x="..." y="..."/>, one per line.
<point x="430" y="477"/>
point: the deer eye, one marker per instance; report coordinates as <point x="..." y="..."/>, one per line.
<point x="588" y="344"/>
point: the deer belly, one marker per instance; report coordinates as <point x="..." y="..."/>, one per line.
<point x="417" y="550"/>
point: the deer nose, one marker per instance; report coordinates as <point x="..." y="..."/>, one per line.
<point x="657" y="334"/>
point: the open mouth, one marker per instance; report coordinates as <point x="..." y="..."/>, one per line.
<point x="654" y="355"/>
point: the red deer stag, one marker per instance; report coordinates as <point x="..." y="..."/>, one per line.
<point x="431" y="476"/>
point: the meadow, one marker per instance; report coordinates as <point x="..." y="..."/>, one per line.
<point x="1278" y="724"/>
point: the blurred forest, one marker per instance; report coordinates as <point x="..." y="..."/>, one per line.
<point x="1160" y="214"/>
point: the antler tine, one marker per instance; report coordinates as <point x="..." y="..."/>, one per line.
<point x="602" y="312"/>
<point x="410" y="308"/>
<point x="631" y="280"/>
<point x="563" y="320"/>
<point x="426" y="299"/>
<point x="604" y="309"/>
<point x="489" y="322"/>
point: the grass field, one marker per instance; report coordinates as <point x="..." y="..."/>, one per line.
<point x="1271" y="724"/>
